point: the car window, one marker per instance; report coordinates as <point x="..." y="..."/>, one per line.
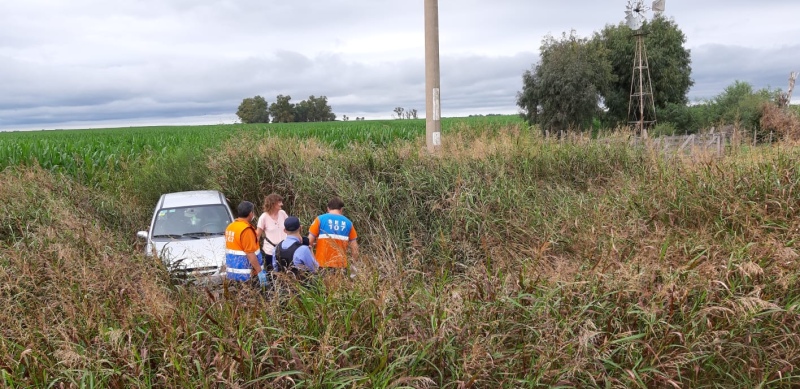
<point x="186" y="222"/>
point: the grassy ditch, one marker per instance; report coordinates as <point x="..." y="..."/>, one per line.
<point x="505" y="261"/>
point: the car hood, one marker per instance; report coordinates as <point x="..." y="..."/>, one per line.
<point x="193" y="253"/>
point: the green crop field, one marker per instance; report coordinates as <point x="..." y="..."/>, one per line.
<point x="92" y="154"/>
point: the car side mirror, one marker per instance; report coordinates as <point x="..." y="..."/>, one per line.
<point x="142" y="235"/>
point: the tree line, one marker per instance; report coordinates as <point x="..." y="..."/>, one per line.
<point x="585" y="83"/>
<point x="402" y="113"/>
<point x="257" y="110"/>
<point x="739" y="104"/>
<point x="582" y="82"/>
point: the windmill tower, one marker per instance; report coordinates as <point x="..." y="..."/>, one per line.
<point x="641" y="106"/>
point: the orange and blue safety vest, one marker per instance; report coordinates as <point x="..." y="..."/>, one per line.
<point x="333" y="232"/>
<point x="238" y="267"/>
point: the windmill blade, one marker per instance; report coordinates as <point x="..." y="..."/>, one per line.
<point x="638" y="6"/>
<point x="639" y="22"/>
<point x="634" y="21"/>
<point x="631" y="7"/>
<point x="634" y="14"/>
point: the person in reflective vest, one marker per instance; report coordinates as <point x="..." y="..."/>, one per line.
<point x="333" y="233"/>
<point x="242" y="255"/>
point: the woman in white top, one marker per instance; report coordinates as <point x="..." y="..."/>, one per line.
<point x="270" y="225"/>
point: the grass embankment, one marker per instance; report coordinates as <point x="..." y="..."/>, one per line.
<point x="508" y="261"/>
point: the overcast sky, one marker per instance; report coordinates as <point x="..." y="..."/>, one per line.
<point x="93" y="63"/>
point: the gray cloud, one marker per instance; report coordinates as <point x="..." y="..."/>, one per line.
<point x="715" y="67"/>
<point x="94" y="63"/>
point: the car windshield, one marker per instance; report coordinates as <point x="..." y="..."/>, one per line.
<point x="191" y="222"/>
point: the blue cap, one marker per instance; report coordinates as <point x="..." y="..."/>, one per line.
<point x="292" y="223"/>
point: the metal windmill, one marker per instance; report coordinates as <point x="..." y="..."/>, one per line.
<point x="641" y="106"/>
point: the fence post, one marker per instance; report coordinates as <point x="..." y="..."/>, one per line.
<point x="686" y="142"/>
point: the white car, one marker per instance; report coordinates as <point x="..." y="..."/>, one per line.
<point x="187" y="232"/>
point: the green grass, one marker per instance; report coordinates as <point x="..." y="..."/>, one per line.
<point x="505" y="261"/>
<point x="94" y="155"/>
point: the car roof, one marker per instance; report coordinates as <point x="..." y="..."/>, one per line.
<point x="191" y="198"/>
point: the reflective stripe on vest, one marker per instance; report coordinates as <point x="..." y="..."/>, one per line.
<point x="335" y="237"/>
<point x="238" y="267"/>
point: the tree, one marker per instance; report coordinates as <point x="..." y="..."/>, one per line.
<point x="563" y="91"/>
<point x="403" y="113"/>
<point x="315" y="109"/>
<point x="740" y="104"/>
<point x="301" y="111"/>
<point x="282" y="110"/>
<point x="668" y="60"/>
<point x="320" y="111"/>
<point x="253" y="110"/>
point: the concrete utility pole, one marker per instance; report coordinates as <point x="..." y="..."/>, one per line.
<point x="433" y="109"/>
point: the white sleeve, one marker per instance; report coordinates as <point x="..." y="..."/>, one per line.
<point x="262" y="221"/>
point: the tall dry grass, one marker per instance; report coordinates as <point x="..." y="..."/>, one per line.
<point x="504" y="261"/>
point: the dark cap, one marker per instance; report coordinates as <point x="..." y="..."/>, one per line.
<point x="292" y="223"/>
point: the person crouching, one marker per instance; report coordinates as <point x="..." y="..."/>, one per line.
<point x="292" y="255"/>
